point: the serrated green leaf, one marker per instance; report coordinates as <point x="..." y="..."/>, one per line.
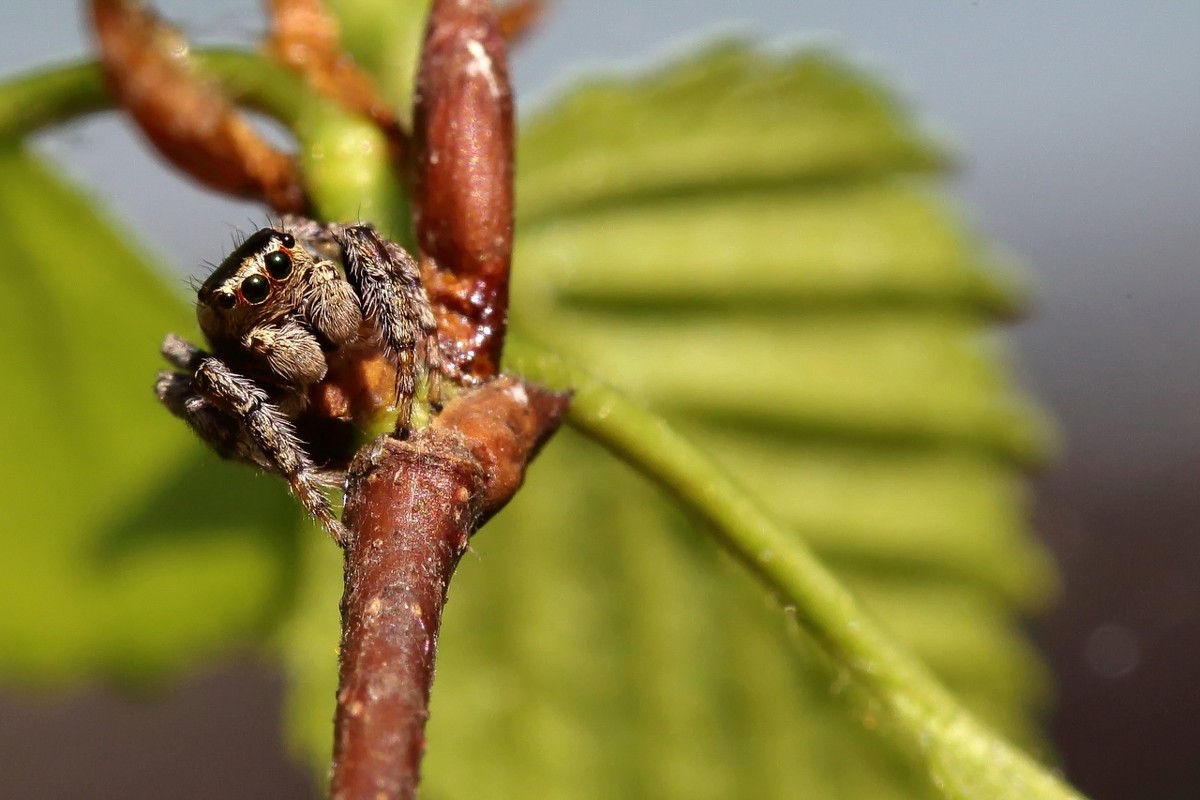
<point x="733" y="239"/>
<point x="131" y="551"/>
<point x="730" y="116"/>
<point x="737" y="240"/>
<point x="647" y="668"/>
<point x="953" y="747"/>
<point x="853" y="376"/>
<point x="796" y="247"/>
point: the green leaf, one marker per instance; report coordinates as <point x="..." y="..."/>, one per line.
<point x="740" y="241"/>
<point x="912" y="524"/>
<point x="128" y="549"/>
<point x="856" y="243"/>
<point x="729" y="116"/>
<point x="844" y="375"/>
<point x="780" y="287"/>
<point x="645" y="667"/>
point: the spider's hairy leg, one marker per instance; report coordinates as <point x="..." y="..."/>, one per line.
<point x="271" y="433"/>
<point x="215" y="428"/>
<point x="417" y="301"/>
<point x="317" y="237"/>
<point x="388" y="283"/>
<point x="305" y="229"/>
<point x="175" y="391"/>
<point x="180" y="353"/>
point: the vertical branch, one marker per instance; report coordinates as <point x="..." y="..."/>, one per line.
<point x="411" y="508"/>
<point x="412" y="505"/>
<point x="410" y="512"/>
<point x="463" y="126"/>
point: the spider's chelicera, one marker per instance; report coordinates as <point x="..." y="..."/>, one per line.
<point x="314" y="332"/>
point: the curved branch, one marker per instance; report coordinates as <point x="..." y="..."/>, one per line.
<point x="304" y="35"/>
<point x="186" y="117"/>
<point x="57" y="95"/>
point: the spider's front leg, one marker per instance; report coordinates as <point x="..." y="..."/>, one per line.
<point x="214" y="427"/>
<point x="388" y="282"/>
<point x="268" y="430"/>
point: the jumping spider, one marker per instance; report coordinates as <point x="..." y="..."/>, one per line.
<point x="315" y="330"/>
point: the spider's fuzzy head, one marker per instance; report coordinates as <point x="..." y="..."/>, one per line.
<point x="256" y="282"/>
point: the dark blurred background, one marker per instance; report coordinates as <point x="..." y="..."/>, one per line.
<point x="1079" y="121"/>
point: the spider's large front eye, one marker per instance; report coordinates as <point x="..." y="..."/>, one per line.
<point x="255" y="289"/>
<point x="279" y="264"/>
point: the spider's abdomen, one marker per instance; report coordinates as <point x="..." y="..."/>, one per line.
<point x="360" y="386"/>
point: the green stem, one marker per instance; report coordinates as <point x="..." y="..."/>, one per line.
<point x="344" y="157"/>
<point x="384" y="37"/>
<point x="964" y="758"/>
<point x="50" y="97"/>
<point x="55" y="95"/>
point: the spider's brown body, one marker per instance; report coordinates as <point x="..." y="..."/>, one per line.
<point x="314" y="330"/>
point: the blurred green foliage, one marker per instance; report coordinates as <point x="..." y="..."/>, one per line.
<point x="131" y="550"/>
<point x="746" y="242"/>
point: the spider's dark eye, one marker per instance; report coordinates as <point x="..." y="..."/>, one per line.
<point x="279" y="264"/>
<point x="287" y="240"/>
<point x="225" y="300"/>
<point x="255" y="289"/>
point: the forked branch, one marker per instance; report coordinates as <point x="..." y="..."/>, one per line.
<point x="412" y="505"/>
<point x="411" y="509"/>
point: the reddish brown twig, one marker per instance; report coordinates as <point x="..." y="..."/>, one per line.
<point x="305" y="37"/>
<point x="521" y="18"/>
<point x="411" y="508"/>
<point x="412" y="505"/>
<point x="187" y="119"/>
<point x="463" y="130"/>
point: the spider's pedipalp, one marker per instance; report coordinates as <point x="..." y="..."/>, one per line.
<point x="331" y="304"/>
<point x="291" y="352"/>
